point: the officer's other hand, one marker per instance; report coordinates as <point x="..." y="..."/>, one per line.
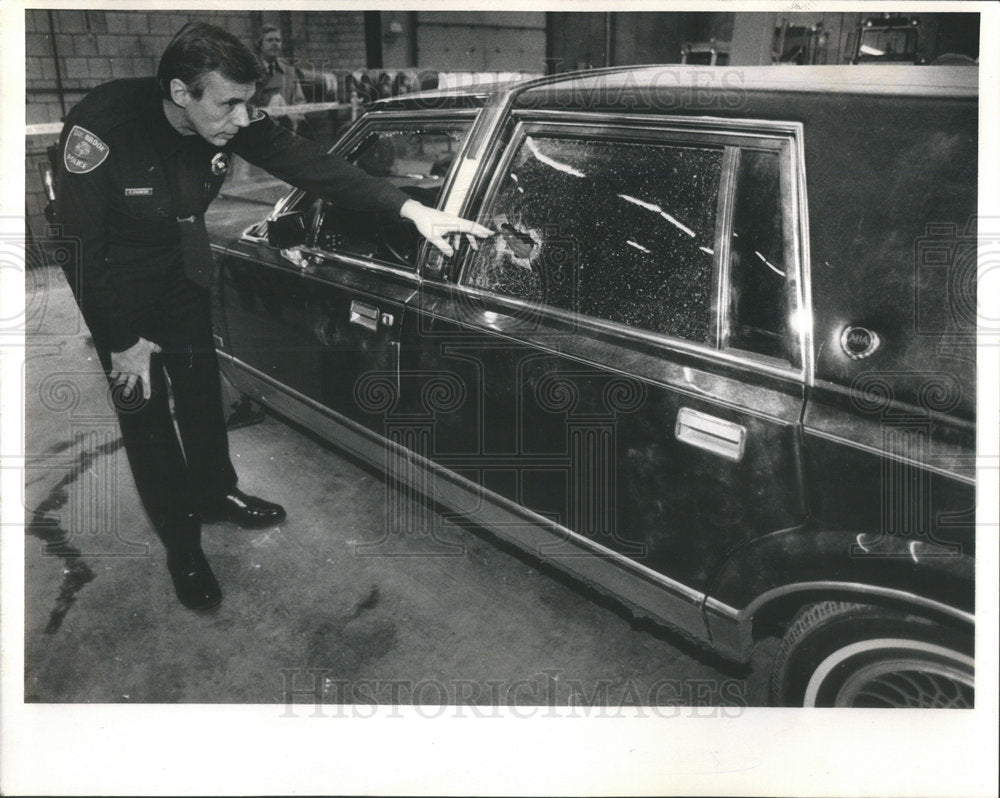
<point x="132" y="366"/>
<point x="436" y="226"/>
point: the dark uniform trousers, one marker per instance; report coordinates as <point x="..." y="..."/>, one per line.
<point x="173" y="476"/>
<point x="129" y="186"/>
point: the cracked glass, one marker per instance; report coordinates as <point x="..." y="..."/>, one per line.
<point x="621" y="231"/>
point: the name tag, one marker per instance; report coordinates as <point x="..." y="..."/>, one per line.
<point x="139" y="192"/>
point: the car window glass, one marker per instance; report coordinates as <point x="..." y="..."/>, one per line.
<point x="621" y="231"/>
<point x="758" y="297"/>
<point x="417" y="160"/>
<point x="250" y="183"/>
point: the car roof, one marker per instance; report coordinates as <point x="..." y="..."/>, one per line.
<point x="846" y="79"/>
<point x="668" y="79"/>
<point x="470" y="95"/>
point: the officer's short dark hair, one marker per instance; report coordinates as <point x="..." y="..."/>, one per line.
<point x="199" y="48"/>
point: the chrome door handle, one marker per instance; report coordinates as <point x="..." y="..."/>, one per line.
<point x="712" y="434"/>
<point x="364" y="315"/>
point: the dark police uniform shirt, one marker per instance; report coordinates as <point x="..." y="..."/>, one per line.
<point x="126" y="176"/>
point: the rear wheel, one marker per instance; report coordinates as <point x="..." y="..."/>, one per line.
<point x="855" y="655"/>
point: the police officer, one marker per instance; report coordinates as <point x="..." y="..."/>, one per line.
<point x="141" y="159"/>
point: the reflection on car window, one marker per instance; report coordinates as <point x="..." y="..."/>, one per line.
<point x="250" y="183"/>
<point x="417" y="160"/>
<point x="618" y="231"/>
<point x="758" y="300"/>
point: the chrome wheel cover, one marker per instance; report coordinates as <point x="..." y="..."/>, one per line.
<point x="896" y="673"/>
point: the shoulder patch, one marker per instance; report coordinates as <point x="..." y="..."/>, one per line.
<point x="84" y="151"/>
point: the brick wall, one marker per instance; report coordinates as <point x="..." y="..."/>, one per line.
<point x="329" y="41"/>
<point x="97" y="46"/>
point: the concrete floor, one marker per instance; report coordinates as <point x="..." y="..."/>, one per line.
<point x="302" y="612"/>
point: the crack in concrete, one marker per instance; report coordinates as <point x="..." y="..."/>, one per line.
<point x="76" y="572"/>
<point x="367" y="603"/>
<point x="345" y="644"/>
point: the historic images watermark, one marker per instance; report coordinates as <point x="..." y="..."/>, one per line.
<point x="318" y="693"/>
<point x="662" y="88"/>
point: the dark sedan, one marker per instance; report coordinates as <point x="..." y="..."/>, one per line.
<point x="718" y="360"/>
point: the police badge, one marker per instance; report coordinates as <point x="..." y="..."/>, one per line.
<point x="220" y="163"/>
<point x="83" y="151"/>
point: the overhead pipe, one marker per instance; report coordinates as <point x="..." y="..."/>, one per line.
<point x="609" y="39"/>
<point x="55" y="55"/>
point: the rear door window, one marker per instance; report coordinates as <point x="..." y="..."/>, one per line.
<point x="614" y="230"/>
<point x="684" y="235"/>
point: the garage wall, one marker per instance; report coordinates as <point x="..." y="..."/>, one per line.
<point x="92" y="47"/>
<point x="331" y="41"/>
<point x="652" y="38"/>
<point x="477" y="42"/>
<point x="578" y="40"/>
<point x="583" y="39"/>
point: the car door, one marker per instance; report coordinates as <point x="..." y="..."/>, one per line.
<point x="625" y="356"/>
<point x="307" y="322"/>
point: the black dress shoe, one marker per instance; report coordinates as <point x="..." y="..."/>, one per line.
<point x="194" y="581"/>
<point x="245" y="511"/>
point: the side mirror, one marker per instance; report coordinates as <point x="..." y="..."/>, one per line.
<point x="286" y="230"/>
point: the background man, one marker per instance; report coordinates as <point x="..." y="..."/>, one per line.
<point x="140" y="160"/>
<point x="279" y="86"/>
